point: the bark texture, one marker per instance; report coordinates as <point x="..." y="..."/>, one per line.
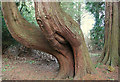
<point x="119" y="30"/>
<point x="58" y="35"/>
<point x="110" y="54"/>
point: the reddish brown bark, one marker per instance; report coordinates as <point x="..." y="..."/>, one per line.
<point x="52" y="21"/>
<point x="59" y="35"/>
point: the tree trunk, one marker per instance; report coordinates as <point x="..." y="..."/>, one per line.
<point x="110" y="54"/>
<point x="119" y="31"/>
<point x="59" y="35"/>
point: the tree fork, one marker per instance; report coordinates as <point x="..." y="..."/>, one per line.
<point x="35" y="39"/>
<point x="59" y="35"/>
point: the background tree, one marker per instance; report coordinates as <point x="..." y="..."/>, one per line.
<point x="59" y="35"/>
<point x="110" y="54"/>
<point x="119" y="29"/>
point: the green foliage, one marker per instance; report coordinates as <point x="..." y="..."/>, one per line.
<point x="73" y="9"/>
<point x="98" y="11"/>
<point x="97" y="33"/>
<point x="27" y="10"/>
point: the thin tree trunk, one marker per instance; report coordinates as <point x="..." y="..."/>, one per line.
<point x="119" y="29"/>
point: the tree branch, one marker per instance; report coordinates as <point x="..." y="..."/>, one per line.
<point x="24" y="32"/>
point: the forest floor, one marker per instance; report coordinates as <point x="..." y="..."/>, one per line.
<point x="30" y="68"/>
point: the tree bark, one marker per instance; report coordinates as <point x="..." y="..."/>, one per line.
<point x="59" y="35"/>
<point x="28" y="34"/>
<point x="119" y="30"/>
<point x="110" y="54"/>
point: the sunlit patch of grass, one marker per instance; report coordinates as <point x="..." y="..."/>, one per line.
<point x="110" y="68"/>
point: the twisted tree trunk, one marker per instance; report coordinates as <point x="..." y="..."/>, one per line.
<point x="58" y="35"/>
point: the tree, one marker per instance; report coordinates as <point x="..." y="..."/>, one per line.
<point x="27" y="12"/>
<point x="59" y="35"/>
<point x="111" y="54"/>
<point x="119" y="30"/>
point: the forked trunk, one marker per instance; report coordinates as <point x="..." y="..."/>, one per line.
<point x="59" y="35"/>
